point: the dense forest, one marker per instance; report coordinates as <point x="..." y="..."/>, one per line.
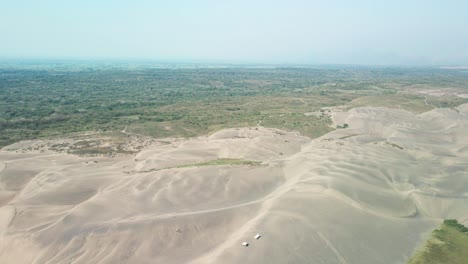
<point x="49" y="102"/>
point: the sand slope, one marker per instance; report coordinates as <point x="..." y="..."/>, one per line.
<point x="367" y="194"/>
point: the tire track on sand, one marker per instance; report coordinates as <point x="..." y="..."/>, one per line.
<point x="2" y="166"/>
<point x="332" y="248"/>
<point x="234" y="238"/>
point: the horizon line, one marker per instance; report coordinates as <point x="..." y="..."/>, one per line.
<point x="103" y="60"/>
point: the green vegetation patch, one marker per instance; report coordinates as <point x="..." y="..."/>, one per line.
<point x="413" y="103"/>
<point x="448" y="245"/>
<point x="222" y="162"/>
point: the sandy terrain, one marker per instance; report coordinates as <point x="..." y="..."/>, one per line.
<point x="447" y="91"/>
<point x="370" y="193"/>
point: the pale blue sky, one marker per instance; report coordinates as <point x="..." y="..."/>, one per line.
<point x="404" y="32"/>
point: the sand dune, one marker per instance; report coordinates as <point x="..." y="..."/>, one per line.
<point x="370" y="193"/>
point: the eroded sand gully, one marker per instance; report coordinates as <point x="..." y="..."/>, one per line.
<point x="370" y="193"/>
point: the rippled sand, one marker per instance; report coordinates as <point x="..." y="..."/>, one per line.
<point x="370" y="193"/>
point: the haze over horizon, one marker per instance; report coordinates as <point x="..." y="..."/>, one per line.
<point x="297" y="32"/>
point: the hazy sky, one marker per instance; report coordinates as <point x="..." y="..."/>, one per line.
<point x="411" y="32"/>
